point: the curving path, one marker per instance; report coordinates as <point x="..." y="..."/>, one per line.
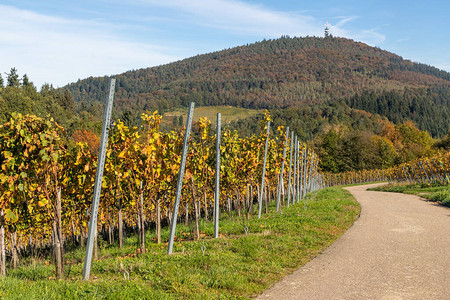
<point x="399" y="248"/>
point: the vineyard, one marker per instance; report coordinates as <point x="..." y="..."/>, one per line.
<point x="434" y="170"/>
<point x="47" y="182"/>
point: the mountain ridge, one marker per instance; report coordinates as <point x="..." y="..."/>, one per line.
<point x="275" y="74"/>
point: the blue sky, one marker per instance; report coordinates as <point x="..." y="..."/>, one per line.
<point x="59" y="42"/>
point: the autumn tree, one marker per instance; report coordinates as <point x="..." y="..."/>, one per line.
<point x="88" y="137"/>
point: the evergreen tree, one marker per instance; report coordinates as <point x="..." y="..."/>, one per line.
<point x="69" y="102"/>
<point x="26" y="81"/>
<point x="1" y="81"/>
<point x="13" y="78"/>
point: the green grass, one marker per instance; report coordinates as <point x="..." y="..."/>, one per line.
<point x="436" y="193"/>
<point x="228" y="114"/>
<point x="235" y="266"/>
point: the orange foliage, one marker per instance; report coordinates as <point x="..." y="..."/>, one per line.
<point x="409" y="141"/>
<point x="88" y="137"/>
<point x="390" y="132"/>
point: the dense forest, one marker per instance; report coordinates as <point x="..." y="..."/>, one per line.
<point x="284" y="73"/>
<point x="428" y="108"/>
<point x="349" y="139"/>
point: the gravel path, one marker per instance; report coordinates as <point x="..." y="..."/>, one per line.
<point x="399" y="248"/>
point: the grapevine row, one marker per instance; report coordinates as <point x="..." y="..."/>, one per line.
<point x="433" y="170"/>
<point x="46" y="183"/>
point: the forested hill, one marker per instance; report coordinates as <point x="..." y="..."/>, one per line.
<point x="287" y="72"/>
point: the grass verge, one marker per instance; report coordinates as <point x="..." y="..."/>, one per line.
<point x="235" y="266"/>
<point x="436" y="193"/>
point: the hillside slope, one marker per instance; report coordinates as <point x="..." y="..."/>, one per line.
<point x="287" y="72"/>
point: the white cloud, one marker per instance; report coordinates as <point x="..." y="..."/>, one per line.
<point x="402" y="40"/>
<point x="59" y="51"/>
<point x="344" y="20"/>
<point x="444" y="66"/>
<point x="244" y="18"/>
<point x="368" y="36"/>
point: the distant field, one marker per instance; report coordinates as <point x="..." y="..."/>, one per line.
<point x="228" y="114"/>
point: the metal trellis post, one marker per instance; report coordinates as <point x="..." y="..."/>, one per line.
<point x="176" y="205"/>
<point x="290" y="169"/>
<point x="263" y="172"/>
<point x="98" y="181"/>
<point x="280" y="185"/>
<point x="301" y="169"/>
<point x="294" y="183"/>
<point x="216" y="198"/>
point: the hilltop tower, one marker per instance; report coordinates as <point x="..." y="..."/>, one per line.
<point x="327" y="30"/>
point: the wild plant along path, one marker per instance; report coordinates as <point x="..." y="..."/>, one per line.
<point x="397" y="249"/>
